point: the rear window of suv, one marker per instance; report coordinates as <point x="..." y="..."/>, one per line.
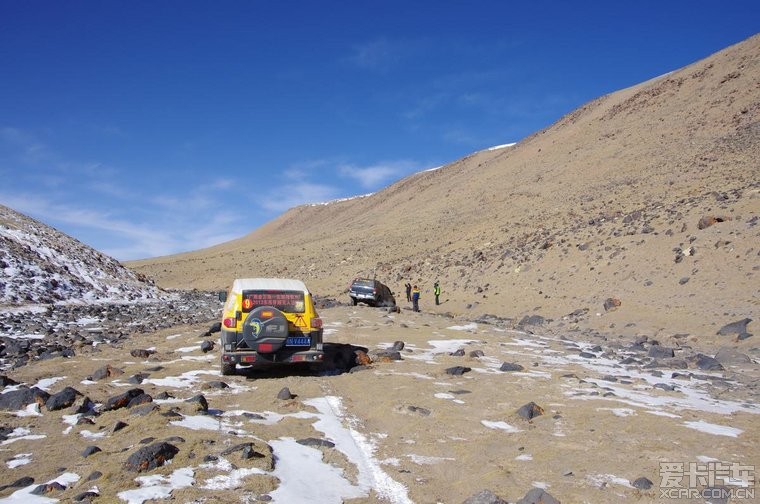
<point x="286" y="301"/>
<point x="364" y="283"/>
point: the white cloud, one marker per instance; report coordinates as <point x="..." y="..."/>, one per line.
<point x="372" y="177"/>
<point x="286" y="196"/>
<point x="377" y="55"/>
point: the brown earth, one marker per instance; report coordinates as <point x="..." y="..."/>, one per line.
<point x="443" y="437"/>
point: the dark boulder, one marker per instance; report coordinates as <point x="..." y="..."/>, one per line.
<point x="458" y="370"/>
<point x="284" y="394"/>
<point x="90" y="450"/>
<point x="105" y="372"/>
<point x="530" y="411"/>
<point x="707" y="363"/>
<point x="141" y="353"/>
<point x="739" y="327"/>
<point x="728" y="355"/>
<point x="511" y="366"/>
<point x="319" y="443"/>
<point x="62" y="399"/>
<point x="642" y="483"/>
<point x="139" y="400"/>
<point x="660" y="352"/>
<point x="151" y="456"/>
<point x="121" y="400"/>
<point x="20" y="398"/>
<point x="611" y="304"/>
<point x="200" y="402"/>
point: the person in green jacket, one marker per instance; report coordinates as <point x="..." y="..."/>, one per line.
<point x="437" y="291"/>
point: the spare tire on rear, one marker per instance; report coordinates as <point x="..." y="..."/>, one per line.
<point x="265" y="322"/>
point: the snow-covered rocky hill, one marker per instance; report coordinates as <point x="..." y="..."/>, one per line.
<point x="40" y="265"/>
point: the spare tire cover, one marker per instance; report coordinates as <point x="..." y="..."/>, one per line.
<point x="257" y="327"/>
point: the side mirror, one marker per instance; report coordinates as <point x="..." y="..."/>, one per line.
<point x="222" y="296"/>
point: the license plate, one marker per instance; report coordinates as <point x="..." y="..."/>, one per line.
<point x="298" y="341"/>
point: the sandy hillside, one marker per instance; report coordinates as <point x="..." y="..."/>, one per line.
<point x="649" y="196"/>
<point x="402" y="429"/>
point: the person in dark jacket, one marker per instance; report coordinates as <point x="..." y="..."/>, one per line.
<point x="415" y="299"/>
<point x="437" y="291"/>
<point x="408" y="291"/>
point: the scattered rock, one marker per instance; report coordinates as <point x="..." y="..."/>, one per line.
<point x="319" y="443"/>
<point x="246" y="451"/>
<point x="530" y="411"/>
<point x="139" y="400"/>
<point x="19" y="483"/>
<point x="121" y="400"/>
<point x="207" y="346"/>
<point x="728" y="355"/>
<point x="707" y="221"/>
<point x="511" y="366"/>
<point x="739" y="327"/>
<point x="458" y="370"/>
<point x="105" y="372"/>
<point x="21" y="397"/>
<point x="538" y="496"/>
<point x="85" y="496"/>
<point x="532" y="320"/>
<point x="284" y="394"/>
<point x="90" y="450"/>
<point x="484" y="497"/>
<point x="199" y="403"/>
<point x="48" y="488"/>
<point x="707" y="363"/>
<point x="642" y="483"/>
<point x="660" y="352"/>
<point x="216" y="384"/>
<point x="119" y="426"/>
<point x="141" y="353"/>
<point x="151" y="456"/>
<point x="138" y="378"/>
<point x="611" y="304"/>
<point x="62" y="399"/>
<point x="419" y="410"/>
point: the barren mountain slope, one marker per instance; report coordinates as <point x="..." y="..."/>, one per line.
<point x="603" y="204"/>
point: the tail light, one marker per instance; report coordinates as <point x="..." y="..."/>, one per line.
<point x="316" y="323"/>
<point x="229" y="322"/>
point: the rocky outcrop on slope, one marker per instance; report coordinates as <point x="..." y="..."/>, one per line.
<point x="39" y="264"/>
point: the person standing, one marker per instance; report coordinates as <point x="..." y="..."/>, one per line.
<point x="437" y="291"/>
<point x="415" y="299"/>
<point x="408" y="291"/>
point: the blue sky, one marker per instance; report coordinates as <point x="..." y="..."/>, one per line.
<point x="150" y="128"/>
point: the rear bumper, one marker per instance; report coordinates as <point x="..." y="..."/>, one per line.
<point x="264" y="359"/>
<point x="363" y="297"/>
<point x="232" y="354"/>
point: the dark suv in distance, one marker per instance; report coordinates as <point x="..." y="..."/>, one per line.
<point x="371" y="291"/>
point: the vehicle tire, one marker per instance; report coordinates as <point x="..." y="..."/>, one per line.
<point x="274" y="326"/>
<point x="354" y="300"/>
<point x="228" y="369"/>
